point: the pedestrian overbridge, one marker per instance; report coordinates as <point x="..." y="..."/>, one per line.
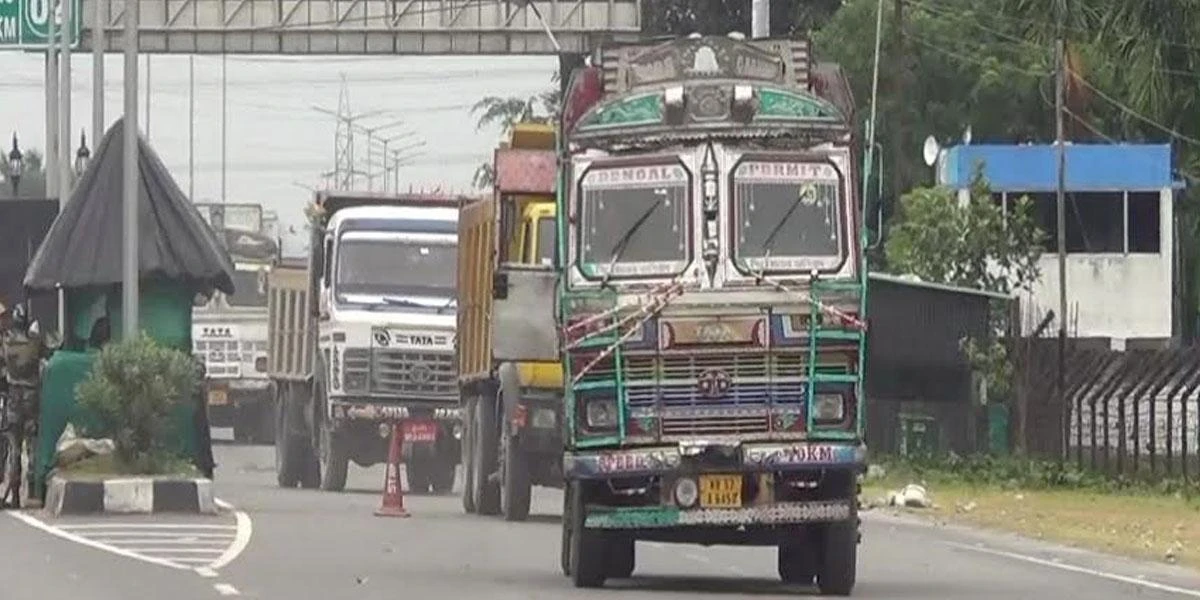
<point x="364" y="27"/>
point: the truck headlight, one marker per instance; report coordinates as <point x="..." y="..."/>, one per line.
<point x="260" y="364"/>
<point x="601" y="413"/>
<point x="829" y="407"/>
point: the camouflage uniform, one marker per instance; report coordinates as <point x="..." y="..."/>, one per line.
<point x="21" y="352"/>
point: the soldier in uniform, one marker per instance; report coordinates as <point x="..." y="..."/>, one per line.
<point x="22" y="349"/>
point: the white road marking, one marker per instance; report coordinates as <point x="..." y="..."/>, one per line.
<point x="1058" y="564"/>
<point x="201" y="548"/>
<point x="66" y="535"/>
<point x="245" y="529"/>
<point x="225" y="589"/>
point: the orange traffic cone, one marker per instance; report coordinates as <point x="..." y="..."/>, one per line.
<point x="393" y="494"/>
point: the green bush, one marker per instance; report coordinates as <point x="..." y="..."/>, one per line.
<point x="133" y="388"/>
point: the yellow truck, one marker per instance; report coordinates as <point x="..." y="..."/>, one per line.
<point x="511" y="389"/>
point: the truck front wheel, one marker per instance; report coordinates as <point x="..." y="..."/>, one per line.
<point x="797" y="561"/>
<point x="483" y="462"/>
<point x="289" y="457"/>
<point x="589" y="552"/>
<point x="838" y="567"/>
<point x="443" y="468"/>
<point x="468" y="491"/>
<point x="334" y="459"/>
<point x="516" y="490"/>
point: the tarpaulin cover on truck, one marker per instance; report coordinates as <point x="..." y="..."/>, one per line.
<point x="83" y="247"/>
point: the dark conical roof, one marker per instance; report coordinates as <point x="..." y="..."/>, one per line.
<point x="83" y="246"/>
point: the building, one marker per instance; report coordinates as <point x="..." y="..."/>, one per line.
<point x="1120" y="238"/>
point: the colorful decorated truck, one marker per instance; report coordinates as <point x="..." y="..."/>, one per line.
<point x="512" y="402"/>
<point x="710" y="307"/>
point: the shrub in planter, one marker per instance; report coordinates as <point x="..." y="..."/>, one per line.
<point x="132" y="390"/>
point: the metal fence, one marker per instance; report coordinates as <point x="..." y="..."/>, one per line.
<point x="1133" y="413"/>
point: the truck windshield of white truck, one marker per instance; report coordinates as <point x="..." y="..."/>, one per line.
<point x="249" y="289"/>
<point x="396" y="268"/>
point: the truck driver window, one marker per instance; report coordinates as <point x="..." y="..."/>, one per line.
<point x="635" y="215"/>
<point x="788" y="210"/>
<point x="248" y="291"/>
<point x="389" y="266"/>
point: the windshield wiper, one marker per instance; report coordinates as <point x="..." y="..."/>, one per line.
<point x="447" y="305"/>
<point x="767" y="245"/>
<point x="623" y="243"/>
<point x="394" y="301"/>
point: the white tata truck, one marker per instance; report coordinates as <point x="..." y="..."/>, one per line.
<point x="363" y="336"/>
<point x="229" y="331"/>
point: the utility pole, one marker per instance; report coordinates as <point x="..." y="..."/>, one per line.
<point x="760" y="19"/>
<point x="129" y="212"/>
<point x="66" y="177"/>
<point x="1060" y="60"/>
<point x="224" y="123"/>
<point x="192" y="127"/>
<point x="50" y="155"/>
<point x="98" y="23"/>
<point x="147" y="96"/>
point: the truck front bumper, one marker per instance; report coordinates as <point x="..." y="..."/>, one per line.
<point x="225" y="397"/>
<point x="777" y="484"/>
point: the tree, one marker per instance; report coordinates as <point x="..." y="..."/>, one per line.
<point x="33" y="177"/>
<point x="507" y="112"/>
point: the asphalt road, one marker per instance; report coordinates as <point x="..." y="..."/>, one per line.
<point x="311" y="544"/>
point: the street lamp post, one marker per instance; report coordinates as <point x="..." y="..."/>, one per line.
<point x="16" y="164"/>
<point x="82" y="155"/>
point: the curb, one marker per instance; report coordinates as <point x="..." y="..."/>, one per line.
<point x="141" y="495"/>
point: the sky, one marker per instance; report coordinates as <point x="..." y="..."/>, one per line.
<point x="277" y="142"/>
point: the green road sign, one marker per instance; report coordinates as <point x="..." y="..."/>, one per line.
<point x="24" y="24"/>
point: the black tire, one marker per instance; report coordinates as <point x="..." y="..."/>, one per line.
<point x="838" y="567"/>
<point x="567" y="529"/>
<point x="516" y="490"/>
<point x="589" y="556"/>
<point x="310" y="474"/>
<point x="417" y="470"/>
<point x="622" y="558"/>
<point x="797" y="562"/>
<point x="468" y="490"/>
<point x="487" y="492"/>
<point x="266" y="422"/>
<point x="334" y="464"/>
<point x="288" y="461"/>
<point x="445" y="467"/>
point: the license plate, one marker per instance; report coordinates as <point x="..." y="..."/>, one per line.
<point x="218" y="397"/>
<point x="721" y="491"/>
<point x="420" y="431"/>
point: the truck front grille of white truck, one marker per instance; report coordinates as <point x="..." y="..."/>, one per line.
<point x="414" y="374"/>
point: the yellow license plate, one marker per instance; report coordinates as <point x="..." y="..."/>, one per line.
<point x="218" y="397"/>
<point x="721" y="491"/>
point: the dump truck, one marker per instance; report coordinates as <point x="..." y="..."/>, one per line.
<point x="361" y="336"/>
<point x="512" y="403"/>
<point x="711" y="314"/>
<point x="229" y="331"/>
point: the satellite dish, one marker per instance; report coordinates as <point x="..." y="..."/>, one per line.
<point x="966" y="137"/>
<point x="930" y="151"/>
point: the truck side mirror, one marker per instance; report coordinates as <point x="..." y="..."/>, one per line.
<point x="500" y="285"/>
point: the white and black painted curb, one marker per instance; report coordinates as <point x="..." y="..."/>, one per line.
<point x="137" y="495"/>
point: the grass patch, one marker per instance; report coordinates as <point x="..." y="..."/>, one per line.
<point x="1143" y="521"/>
<point x="100" y="467"/>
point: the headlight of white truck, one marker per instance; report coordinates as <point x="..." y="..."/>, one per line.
<point x="335" y="368"/>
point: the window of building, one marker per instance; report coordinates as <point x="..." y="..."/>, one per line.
<point x="1099" y="222"/>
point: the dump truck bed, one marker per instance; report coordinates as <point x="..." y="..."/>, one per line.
<point x="289" y="323"/>
<point x="476" y="244"/>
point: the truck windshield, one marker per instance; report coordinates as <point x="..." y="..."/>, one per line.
<point x="249" y="289"/>
<point x="392" y="267"/>
<point x="635" y="219"/>
<point x="789" y="213"/>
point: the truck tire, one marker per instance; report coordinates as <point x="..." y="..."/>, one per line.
<point x="484" y="460"/>
<point x="468" y="489"/>
<point x="838" y="566"/>
<point x="335" y="462"/>
<point x="622" y="558"/>
<point x="565" y="548"/>
<point x="444" y="468"/>
<point x="266" y="422"/>
<point x="516" y="490"/>
<point x="417" y="470"/>
<point x="288" y="461"/>
<point x="797" y="561"/>
<point x="589" y="556"/>
<point x="310" y="478"/>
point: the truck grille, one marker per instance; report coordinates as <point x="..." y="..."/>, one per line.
<point x="414" y="374"/>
